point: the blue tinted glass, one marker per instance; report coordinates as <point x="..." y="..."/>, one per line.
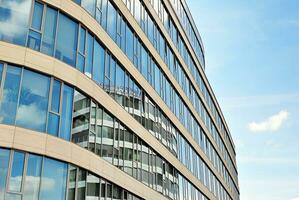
<point x="32" y="180"/>
<point x="82" y="40"/>
<point x="33" y="100"/>
<point x="53" y="124"/>
<point x="129" y="43"/>
<point x="104" y="13"/>
<point x="15" y="179"/>
<point x="37" y="16"/>
<point x="66" y="115"/>
<point x="112" y="75"/>
<point x="53" y="181"/>
<point x="144" y="62"/>
<point x="98" y="63"/>
<point x="67" y="36"/>
<point x="9" y="99"/>
<point x="89" y="5"/>
<point x="55" y="96"/>
<point x="111" y="21"/>
<point x="89" y="55"/>
<point x="49" y="32"/>
<point x="14" y="17"/>
<point x="4" y="159"/>
<point x="80" y="62"/>
<point x="34" y="40"/>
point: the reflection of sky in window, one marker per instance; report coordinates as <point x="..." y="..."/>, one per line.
<point x="33" y="101"/>
<point x="14" y="16"/>
<point x="53" y="180"/>
<point x="4" y="158"/>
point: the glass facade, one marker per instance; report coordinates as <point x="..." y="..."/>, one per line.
<point x="31" y="176"/>
<point x="61" y="110"/>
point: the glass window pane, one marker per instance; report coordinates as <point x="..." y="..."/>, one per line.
<point x="55" y="96"/>
<point x="82" y="40"/>
<point x="98" y="63"/>
<point x="53" y="124"/>
<point x="53" y="181"/>
<point x="14" y="17"/>
<point x="89" y="5"/>
<point x="32" y="180"/>
<point x="66" y="115"/>
<point x="4" y="159"/>
<point x="49" y="32"/>
<point x="111" y="21"/>
<point x="8" y="103"/>
<point x="119" y="88"/>
<point x="80" y="62"/>
<point x="37" y="16"/>
<point x="129" y="43"/>
<point x="34" y="40"/>
<point x="33" y="100"/>
<point x="67" y="36"/>
<point x="89" y="55"/>
<point x="15" y="179"/>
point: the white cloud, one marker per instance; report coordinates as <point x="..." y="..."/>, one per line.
<point x="273" y="123"/>
<point x="296" y="198"/>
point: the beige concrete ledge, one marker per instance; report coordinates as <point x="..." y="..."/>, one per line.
<point x="82" y="16"/>
<point x="178" y="24"/>
<point x="121" y="6"/>
<point x="48" y="145"/>
<point x="35" y="60"/>
<point x="188" y="72"/>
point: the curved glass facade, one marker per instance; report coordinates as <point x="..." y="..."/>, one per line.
<point x="31" y="176"/>
<point x="59" y="109"/>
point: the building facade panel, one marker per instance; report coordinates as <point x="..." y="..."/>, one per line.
<point x="87" y="75"/>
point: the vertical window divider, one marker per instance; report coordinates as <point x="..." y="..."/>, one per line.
<point x="19" y="95"/>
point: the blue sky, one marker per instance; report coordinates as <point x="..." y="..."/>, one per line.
<point x="252" y="63"/>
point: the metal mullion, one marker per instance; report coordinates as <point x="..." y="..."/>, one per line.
<point x="29" y="20"/>
<point x="41" y="175"/>
<point x="9" y="170"/>
<point x="78" y="43"/>
<point x="19" y="94"/>
<point x="24" y="173"/>
<point x="56" y="32"/>
<point x="60" y="105"/>
<point x="3" y="79"/>
<point x="49" y="103"/>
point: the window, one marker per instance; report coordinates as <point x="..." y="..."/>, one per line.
<point x="67" y="36"/>
<point x="89" y="5"/>
<point x="144" y="62"/>
<point x="111" y="21"/>
<point x="4" y="159"/>
<point x="81" y="50"/>
<point x="32" y="180"/>
<point x="9" y="101"/>
<point x="16" y="174"/>
<point x="54" y="173"/>
<point x="33" y="100"/>
<point x="119" y="88"/>
<point x="129" y="43"/>
<point x="66" y="115"/>
<point x="89" y="55"/>
<point x="98" y="63"/>
<point x="49" y="32"/>
<point x="14" y="17"/>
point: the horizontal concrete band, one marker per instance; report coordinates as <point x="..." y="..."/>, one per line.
<point x="168" y="73"/>
<point x="185" y="38"/>
<point x="48" y="145"/>
<point x="82" y="16"/>
<point x="188" y="72"/>
<point x="40" y="62"/>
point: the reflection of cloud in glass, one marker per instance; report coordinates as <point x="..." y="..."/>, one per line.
<point x="14" y="17"/>
<point x="32" y="183"/>
<point x="31" y="114"/>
